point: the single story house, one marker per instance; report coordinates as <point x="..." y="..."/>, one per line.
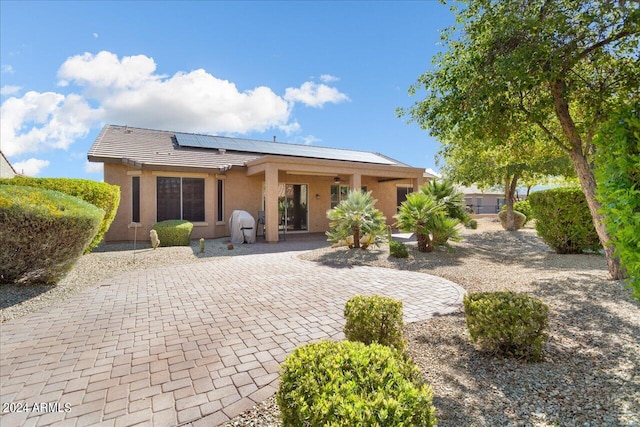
<point x="488" y="201"/>
<point x="6" y="170"/>
<point x="288" y="188"/>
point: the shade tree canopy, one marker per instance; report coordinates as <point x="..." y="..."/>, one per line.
<point x="560" y="66"/>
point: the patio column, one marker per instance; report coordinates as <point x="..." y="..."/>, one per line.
<point x="416" y="185"/>
<point x="355" y="181"/>
<point x="271" y="203"/>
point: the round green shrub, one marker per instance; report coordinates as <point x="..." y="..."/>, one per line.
<point x="507" y="324"/>
<point x="518" y="218"/>
<point x="351" y="384"/>
<point x="563" y="220"/>
<point x="103" y="195"/>
<point x="524" y="207"/>
<point x="398" y="249"/>
<point x="472" y="224"/>
<point x="374" y="319"/>
<point x="174" y="232"/>
<point x="42" y="233"/>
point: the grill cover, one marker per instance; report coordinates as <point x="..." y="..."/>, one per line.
<point x="242" y="227"/>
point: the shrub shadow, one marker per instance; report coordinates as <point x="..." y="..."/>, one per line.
<point x="588" y="375"/>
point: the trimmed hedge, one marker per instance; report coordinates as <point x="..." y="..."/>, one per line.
<point x="174" y="232"/>
<point x="564" y="221"/>
<point x="398" y="249"/>
<point x="507" y="323"/>
<point x="522" y="206"/>
<point x="103" y="195"/>
<point x="42" y="233"/>
<point x="519" y="219"/>
<point x="618" y="178"/>
<point x="351" y="384"/>
<point x="374" y="319"/>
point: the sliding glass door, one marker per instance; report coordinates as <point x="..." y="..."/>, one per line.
<point x="293" y="202"/>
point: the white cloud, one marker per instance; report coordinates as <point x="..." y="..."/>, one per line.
<point x="309" y="140"/>
<point x="30" y="167"/>
<point x="328" y="78"/>
<point x="92" y="167"/>
<point x="128" y="90"/>
<point x="7" y="69"/>
<point x="95" y="35"/>
<point x="39" y="121"/>
<point x="315" y="95"/>
<point x="9" y="90"/>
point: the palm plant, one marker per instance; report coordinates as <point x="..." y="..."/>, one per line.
<point x="445" y="229"/>
<point x="453" y="199"/>
<point x="420" y="214"/>
<point x="356" y="217"/>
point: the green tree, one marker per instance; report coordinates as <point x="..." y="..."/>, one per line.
<point x="355" y="217"/>
<point x="618" y="176"/>
<point x="559" y="65"/>
<point x="420" y="214"/>
<point x="525" y="156"/>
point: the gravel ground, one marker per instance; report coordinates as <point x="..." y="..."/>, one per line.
<point x="591" y="372"/>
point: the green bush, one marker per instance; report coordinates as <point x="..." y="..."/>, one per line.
<point x="350" y="384"/>
<point x="174" y="232"/>
<point x="445" y="229"/>
<point x="398" y="249"/>
<point x="103" y="195"/>
<point x="472" y="224"/>
<point x="524" y="207"/>
<point x="519" y="219"/>
<point x="564" y="221"/>
<point x="42" y="233"/>
<point x="354" y="218"/>
<point x="374" y="319"/>
<point x="618" y="178"/>
<point x="507" y="323"/>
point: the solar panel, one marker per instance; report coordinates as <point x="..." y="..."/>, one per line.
<point x="279" y="148"/>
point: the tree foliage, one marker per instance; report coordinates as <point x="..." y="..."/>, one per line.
<point x="557" y="65"/>
<point x="618" y="177"/>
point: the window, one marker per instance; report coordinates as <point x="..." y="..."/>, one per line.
<point x="220" y="184"/>
<point x="401" y="194"/>
<point x="338" y="194"/>
<point x="135" y="199"/>
<point x="180" y="198"/>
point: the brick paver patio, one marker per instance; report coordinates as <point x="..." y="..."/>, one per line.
<point x="195" y="344"/>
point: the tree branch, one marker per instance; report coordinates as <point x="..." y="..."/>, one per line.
<point x="587" y="51"/>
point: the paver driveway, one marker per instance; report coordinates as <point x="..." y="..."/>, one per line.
<point x="198" y="343"/>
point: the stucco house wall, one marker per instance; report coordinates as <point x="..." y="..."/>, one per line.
<point x="251" y="182"/>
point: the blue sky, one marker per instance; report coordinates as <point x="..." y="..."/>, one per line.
<point x="322" y="73"/>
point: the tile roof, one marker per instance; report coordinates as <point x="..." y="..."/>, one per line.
<point x="147" y="148"/>
<point x="157" y="149"/>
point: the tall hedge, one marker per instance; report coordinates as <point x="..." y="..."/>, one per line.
<point x="42" y="233"/>
<point x="618" y="179"/>
<point x="563" y="220"/>
<point x="103" y="195"/>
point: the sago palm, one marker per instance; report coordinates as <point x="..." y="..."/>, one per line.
<point x="453" y="199"/>
<point x="355" y="216"/>
<point x="420" y="214"/>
